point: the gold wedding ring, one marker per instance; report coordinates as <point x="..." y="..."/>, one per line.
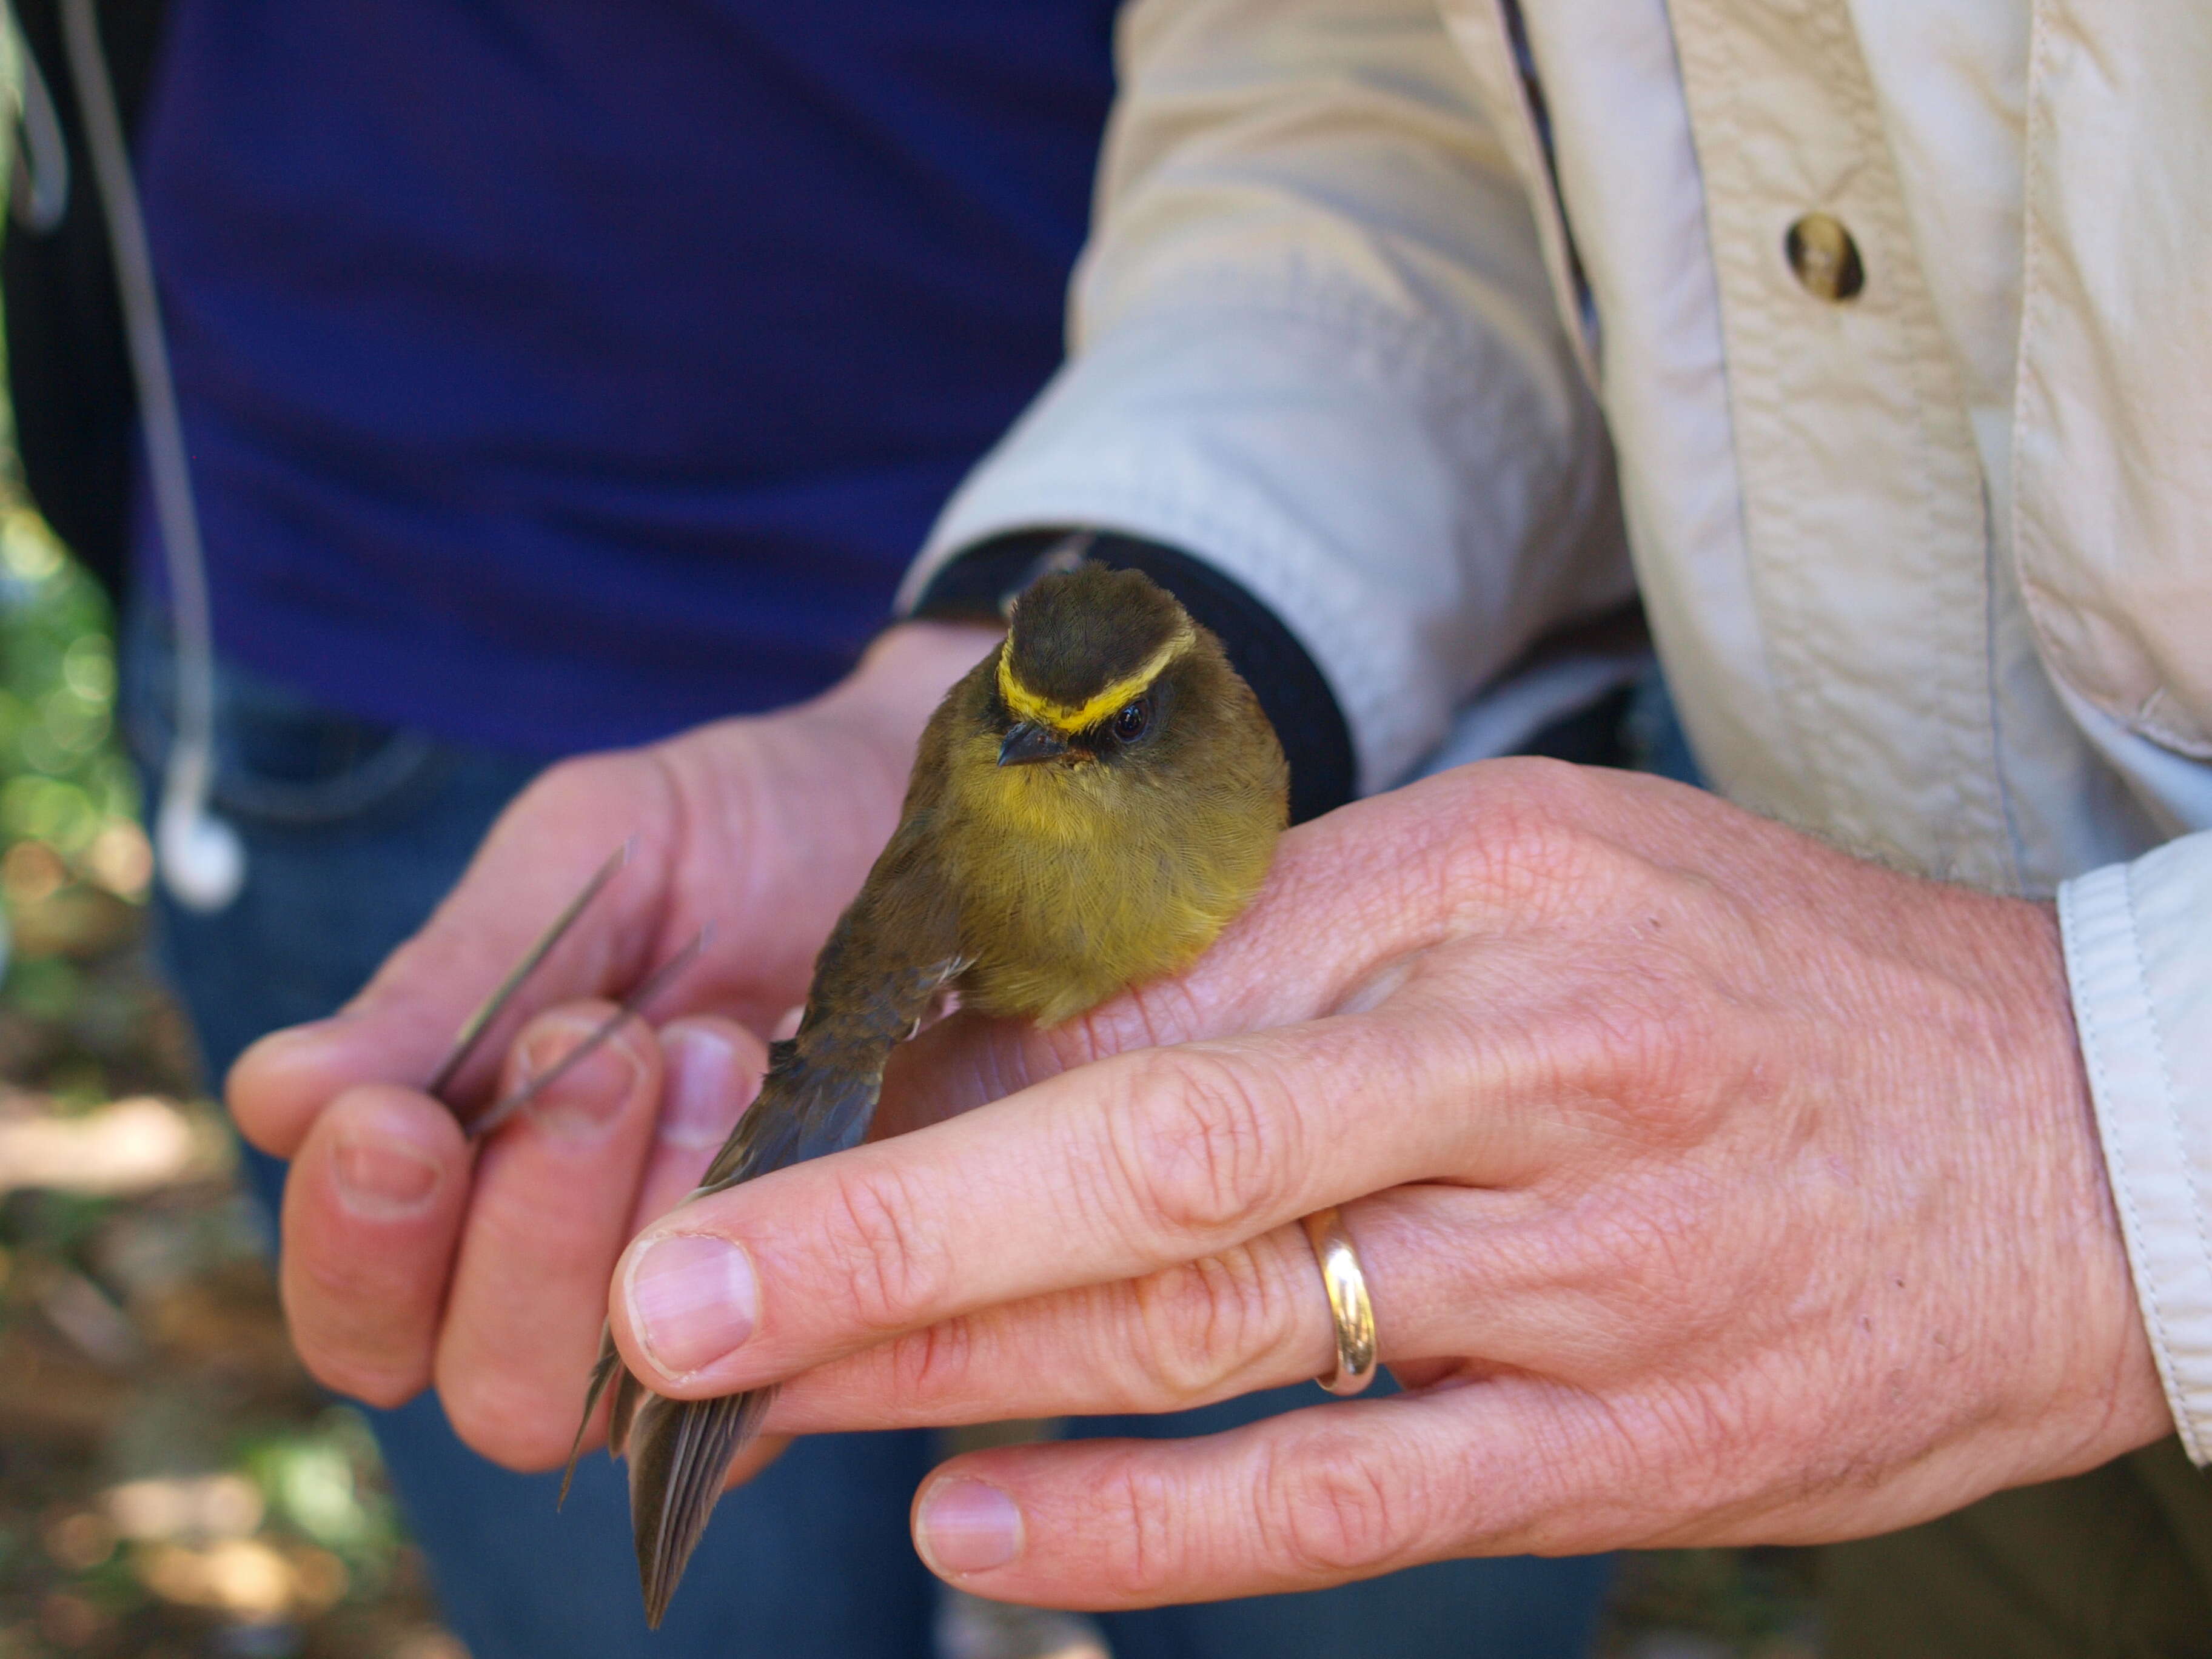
<point x="1348" y="1303"/>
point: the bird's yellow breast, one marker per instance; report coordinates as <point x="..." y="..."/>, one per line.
<point x="1077" y="880"/>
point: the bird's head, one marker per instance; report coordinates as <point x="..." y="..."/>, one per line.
<point x="1095" y="666"/>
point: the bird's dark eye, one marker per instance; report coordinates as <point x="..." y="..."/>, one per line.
<point x="1130" y="725"/>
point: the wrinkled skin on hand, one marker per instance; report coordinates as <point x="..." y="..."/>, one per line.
<point x="1713" y="1187"/>
<point x="412" y="1259"/>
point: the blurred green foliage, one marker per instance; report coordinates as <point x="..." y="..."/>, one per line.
<point x="325" y="1481"/>
<point x="141" y="1331"/>
<point x="62" y="782"/>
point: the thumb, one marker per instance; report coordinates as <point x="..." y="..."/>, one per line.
<point x="538" y="857"/>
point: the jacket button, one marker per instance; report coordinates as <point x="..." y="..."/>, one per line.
<point x="1824" y="258"/>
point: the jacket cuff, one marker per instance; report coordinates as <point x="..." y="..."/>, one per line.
<point x="979" y="580"/>
<point x="2138" y="941"/>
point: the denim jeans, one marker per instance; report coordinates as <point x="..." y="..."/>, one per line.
<point x="353" y="833"/>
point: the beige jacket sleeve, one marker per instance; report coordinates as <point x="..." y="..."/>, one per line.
<point x="1314" y="343"/>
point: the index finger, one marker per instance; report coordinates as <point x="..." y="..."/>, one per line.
<point x="1077" y="1181"/>
<point x="1119" y="1168"/>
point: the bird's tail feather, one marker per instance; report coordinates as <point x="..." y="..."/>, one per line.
<point x="817" y="1098"/>
<point x="606" y="1367"/>
<point x="680" y="1452"/>
<point x="628" y="1392"/>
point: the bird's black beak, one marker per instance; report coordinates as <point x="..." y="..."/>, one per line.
<point x="1027" y="743"/>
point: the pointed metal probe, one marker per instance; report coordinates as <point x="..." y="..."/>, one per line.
<point x="472" y="1033"/>
<point x="644" y="992"/>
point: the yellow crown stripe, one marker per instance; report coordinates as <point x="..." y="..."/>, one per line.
<point x="1068" y="719"/>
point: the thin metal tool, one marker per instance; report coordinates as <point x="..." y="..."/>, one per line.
<point x="495" y="1004"/>
<point x="646" y="989"/>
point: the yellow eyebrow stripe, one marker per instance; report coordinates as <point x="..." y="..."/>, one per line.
<point x="1070" y="718"/>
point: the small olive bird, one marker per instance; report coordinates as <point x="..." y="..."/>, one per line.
<point x="1090" y="807"/>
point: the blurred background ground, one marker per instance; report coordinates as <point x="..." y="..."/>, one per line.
<point x="171" y="1483"/>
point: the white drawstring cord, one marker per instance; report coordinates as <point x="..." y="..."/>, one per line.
<point x="202" y="862"/>
<point x="40" y="186"/>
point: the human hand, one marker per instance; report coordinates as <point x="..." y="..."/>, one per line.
<point x="411" y="1257"/>
<point x="1712" y="1187"/>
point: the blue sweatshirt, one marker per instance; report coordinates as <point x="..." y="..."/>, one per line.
<point x="558" y="374"/>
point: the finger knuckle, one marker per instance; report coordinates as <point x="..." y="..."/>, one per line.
<point x="1202" y="1142"/>
<point x="1530" y="841"/>
<point x="347" y="1340"/>
<point x="1206" y="1323"/>
<point x="1147" y="1518"/>
<point x="1543" y="847"/>
<point x="351" y="1288"/>
<point x="934" y="1363"/>
<point x="893" y="1269"/>
<point x="1322" y="1511"/>
<point x="1637" y="1053"/>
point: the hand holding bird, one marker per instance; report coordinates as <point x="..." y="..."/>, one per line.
<point x="1668" y="1139"/>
